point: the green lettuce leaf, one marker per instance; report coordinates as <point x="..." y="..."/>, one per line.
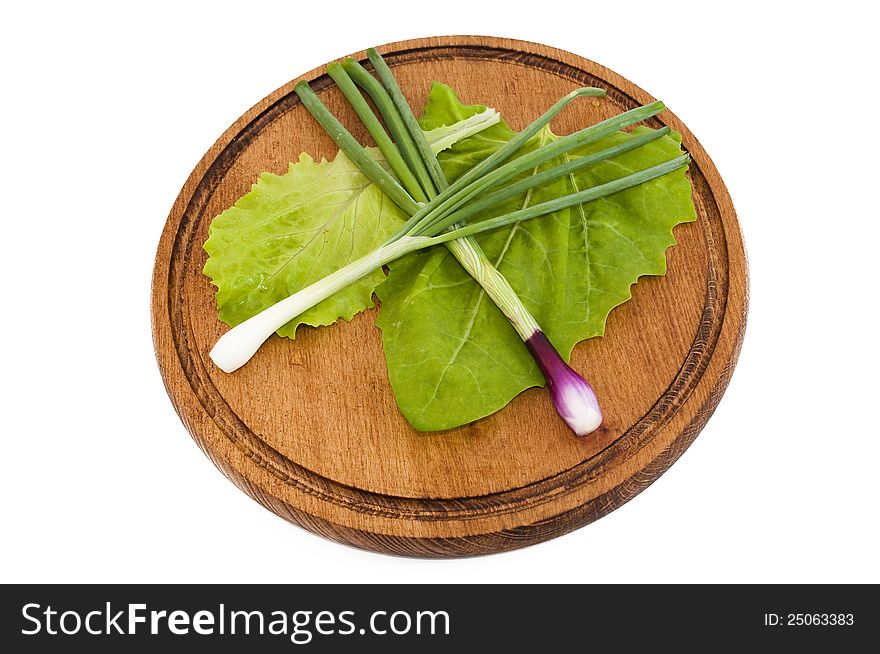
<point x="452" y="356"/>
<point x="292" y="230"/>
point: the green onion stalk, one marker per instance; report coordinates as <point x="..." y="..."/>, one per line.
<point x="573" y="396"/>
<point x="439" y="212"/>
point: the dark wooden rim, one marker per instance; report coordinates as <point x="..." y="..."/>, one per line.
<point x="215" y="165"/>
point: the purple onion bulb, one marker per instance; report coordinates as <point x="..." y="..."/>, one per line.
<point x="575" y="399"/>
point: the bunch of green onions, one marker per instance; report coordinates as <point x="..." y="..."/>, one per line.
<point x="439" y="212"/>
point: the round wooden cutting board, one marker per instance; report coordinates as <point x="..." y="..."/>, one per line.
<point x="309" y="428"/>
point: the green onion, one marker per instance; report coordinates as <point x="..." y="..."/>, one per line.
<point x="574" y="398"/>
<point x="418" y="178"/>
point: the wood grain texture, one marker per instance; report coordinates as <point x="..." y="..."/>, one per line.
<point x="310" y="428"/>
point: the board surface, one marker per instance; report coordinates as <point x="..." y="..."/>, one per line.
<point x="309" y="428"/>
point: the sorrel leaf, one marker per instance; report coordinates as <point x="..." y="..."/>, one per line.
<point x="452" y="356"/>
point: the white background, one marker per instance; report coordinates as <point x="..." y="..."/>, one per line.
<point x="107" y="109"/>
